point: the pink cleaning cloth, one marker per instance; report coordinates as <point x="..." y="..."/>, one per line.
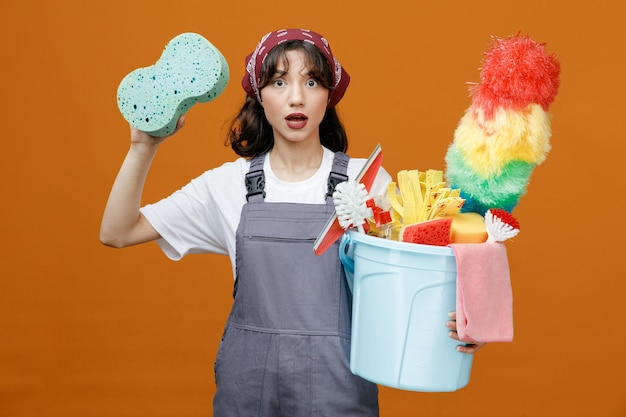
<point x="484" y="299"/>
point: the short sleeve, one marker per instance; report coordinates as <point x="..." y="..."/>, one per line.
<point x="201" y="217"/>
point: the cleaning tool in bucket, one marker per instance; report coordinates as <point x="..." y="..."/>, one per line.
<point x="505" y="133"/>
<point x="332" y="229"/>
<point x="350" y="198"/>
<point x="402" y="294"/>
<point x="484" y="297"/>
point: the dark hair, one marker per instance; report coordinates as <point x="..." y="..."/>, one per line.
<point x="250" y="133"/>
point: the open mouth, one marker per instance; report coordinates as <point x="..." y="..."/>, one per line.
<point x="296" y="120"/>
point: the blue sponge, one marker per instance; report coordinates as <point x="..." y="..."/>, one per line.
<point x="190" y="70"/>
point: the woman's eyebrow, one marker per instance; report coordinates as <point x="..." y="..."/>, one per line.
<point x="307" y="73"/>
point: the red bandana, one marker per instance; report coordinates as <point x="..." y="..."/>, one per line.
<point x="254" y="61"/>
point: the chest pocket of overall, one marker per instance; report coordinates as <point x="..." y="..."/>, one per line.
<point x="287" y="286"/>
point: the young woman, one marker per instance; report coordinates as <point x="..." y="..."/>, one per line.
<point x="285" y="348"/>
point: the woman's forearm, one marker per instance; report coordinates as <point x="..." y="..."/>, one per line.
<point x="122" y="224"/>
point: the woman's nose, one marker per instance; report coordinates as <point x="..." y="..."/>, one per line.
<point x="296" y="95"/>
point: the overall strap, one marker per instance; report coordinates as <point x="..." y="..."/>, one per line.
<point x="338" y="173"/>
<point x="255" y="180"/>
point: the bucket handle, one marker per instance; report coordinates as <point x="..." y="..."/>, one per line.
<point x="345" y="255"/>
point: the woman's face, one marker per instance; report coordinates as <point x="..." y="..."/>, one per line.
<point x="294" y="102"/>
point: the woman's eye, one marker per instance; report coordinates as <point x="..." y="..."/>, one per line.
<point x="312" y="83"/>
<point x="279" y="83"/>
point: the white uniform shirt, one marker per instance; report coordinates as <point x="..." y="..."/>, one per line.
<point x="203" y="216"/>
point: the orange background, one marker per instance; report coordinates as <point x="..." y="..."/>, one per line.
<point x="90" y="331"/>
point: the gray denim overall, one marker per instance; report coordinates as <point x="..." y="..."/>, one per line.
<point x="286" y="345"/>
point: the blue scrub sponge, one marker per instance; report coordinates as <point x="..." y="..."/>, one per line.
<point x="190" y="70"/>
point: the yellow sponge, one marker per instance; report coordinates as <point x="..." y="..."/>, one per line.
<point x="190" y="70"/>
<point x="468" y="228"/>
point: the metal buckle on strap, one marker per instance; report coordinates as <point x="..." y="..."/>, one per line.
<point x="333" y="179"/>
<point x="255" y="183"/>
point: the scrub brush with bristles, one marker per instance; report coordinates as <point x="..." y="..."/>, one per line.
<point x="350" y="200"/>
<point x="500" y="225"/>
